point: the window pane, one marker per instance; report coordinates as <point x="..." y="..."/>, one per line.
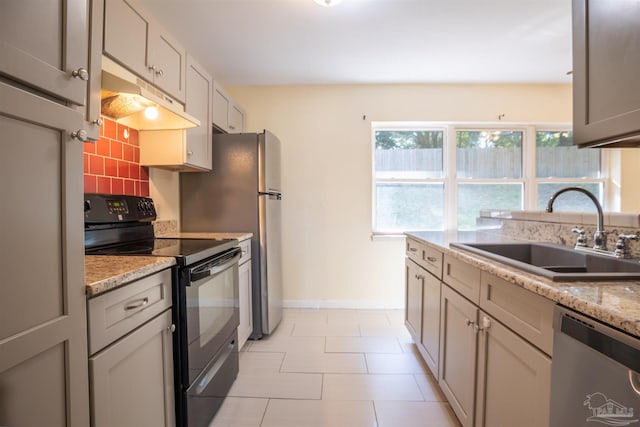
<point x="571" y="201"/>
<point x="401" y="207"/>
<point x="474" y="197"/>
<point x="409" y="154"/>
<point x="557" y="157"/>
<point x="489" y="154"/>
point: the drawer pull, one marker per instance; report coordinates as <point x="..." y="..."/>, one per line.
<point x="432" y="259"/>
<point x="140" y="303"/>
<point x="413" y="249"/>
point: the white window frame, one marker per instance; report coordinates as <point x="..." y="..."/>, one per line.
<point x="529" y="180"/>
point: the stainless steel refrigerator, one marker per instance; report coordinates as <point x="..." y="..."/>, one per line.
<point x="242" y="193"/>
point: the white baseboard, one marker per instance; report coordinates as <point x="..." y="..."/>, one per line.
<point x="343" y="304"/>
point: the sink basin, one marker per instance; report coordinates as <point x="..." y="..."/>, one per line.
<point x="556" y="262"/>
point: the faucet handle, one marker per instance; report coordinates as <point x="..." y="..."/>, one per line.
<point x="581" y="240"/>
<point x="622" y="244"/>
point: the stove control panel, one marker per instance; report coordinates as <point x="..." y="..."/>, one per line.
<point x="109" y="209"/>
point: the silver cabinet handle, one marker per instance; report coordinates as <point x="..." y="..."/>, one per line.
<point x="80" y="73"/>
<point x="98" y="122"/>
<point x="140" y="303"/>
<point x="171" y="328"/>
<point x="413" y="249"/>
<point x="470" y="322"/>
<point x="80" y="135"/>
<point x="152" y="68"/>
<point x="432" y="259"/>
<point x="159" y="73"/>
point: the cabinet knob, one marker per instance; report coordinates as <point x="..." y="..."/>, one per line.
<point x="232" y="127"/>
<point x="171" y="328"/>
<point x="432" y="259"/>
<point x="98" y="122"/>
<point x="152" y="68"/>
<point x="159" y="73"/>
<point x="413" y="249"/>
<point x="80" y="73"/>
<point x="80" y="135"/>
<point x="189" y="153"/>
<point x="470" y="322"/>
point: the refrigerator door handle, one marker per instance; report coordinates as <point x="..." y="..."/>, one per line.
<point x="270" y="194"/>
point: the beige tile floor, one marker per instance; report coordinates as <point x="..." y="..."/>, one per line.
<point x="335" y="368"/>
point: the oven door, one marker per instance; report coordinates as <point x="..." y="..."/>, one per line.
<point x="211" y="298"/>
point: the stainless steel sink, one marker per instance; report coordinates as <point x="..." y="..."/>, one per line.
<point x="558" y="263"/>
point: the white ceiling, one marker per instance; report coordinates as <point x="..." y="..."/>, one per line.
<point x="272" y="42"/>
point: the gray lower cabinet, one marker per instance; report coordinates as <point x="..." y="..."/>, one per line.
<point x="245" y="305"/>
<point x="429" y="345"/>
<point x="514" y="379"/>
<point x="131" y="363"/>
<point x="132" y="380"/>
<point x="458" y="348"/>
<point x="414" y="280"/>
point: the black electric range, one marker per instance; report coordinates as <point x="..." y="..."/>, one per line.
<point x="204" y="293"/>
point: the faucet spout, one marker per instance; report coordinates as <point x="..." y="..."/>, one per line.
<point x="599" y="237"/>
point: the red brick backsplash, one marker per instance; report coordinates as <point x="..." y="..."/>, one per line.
<point x="112" y="164"/>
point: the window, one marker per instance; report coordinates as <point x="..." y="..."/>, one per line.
<point x="560" y="164"/>
<point x="409" y="180"/>
<point x="439" y="176"/>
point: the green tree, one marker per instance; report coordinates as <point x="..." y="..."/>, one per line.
<point x="408" y="139"/>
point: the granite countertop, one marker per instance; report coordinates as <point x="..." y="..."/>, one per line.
<point x="616" y="303"/>
<point x="206" y="235"/>
<point x="103" y="273"/>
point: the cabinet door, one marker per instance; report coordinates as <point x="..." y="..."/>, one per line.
<point x="220" y="114"/>
<point x="199" y="91"/>
<point x="511" y="371"/>
<point x="458" y="346"/>
<point x="246" y="316"/>
<point x="167" y="60"/>
<point x="132" y="380"/>
<point x="236" y="119"/>
<point x="414" y="280"/>
<point x="43" y="337"/>
<point x="606" y="96"/>
<point x="430" y="339"/>
<point x="42" y="43"/>
<point x="93" y="105"/>
<point x="125" y="37"/>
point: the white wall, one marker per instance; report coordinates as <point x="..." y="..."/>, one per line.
<point x="329" y="257"/>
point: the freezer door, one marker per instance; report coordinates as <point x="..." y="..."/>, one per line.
<point x="271" y="261"/>
<point x="269" y="163"/>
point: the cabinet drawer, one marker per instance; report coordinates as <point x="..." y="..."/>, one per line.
<point x="114" y="314"/>
<point x="427" y="257"/>
<point x="462" y="277"/>
<point x="245" y="246"/>
<point x="524" y="312"/>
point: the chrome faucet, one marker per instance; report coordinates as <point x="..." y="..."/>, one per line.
<point x="599" y="237"/>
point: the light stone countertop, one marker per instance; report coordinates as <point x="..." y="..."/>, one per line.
<point x="616" y="303"/>
<point x="103" y="272"/>
<point x="206" y="235"/>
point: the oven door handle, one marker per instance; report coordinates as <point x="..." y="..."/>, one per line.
<point x="215" y="266"/>
<point x="209" y="372"/>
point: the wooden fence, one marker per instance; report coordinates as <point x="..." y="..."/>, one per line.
<point x="559" y="162"/>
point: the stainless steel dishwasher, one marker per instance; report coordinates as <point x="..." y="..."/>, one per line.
<point x="595" y="376"/>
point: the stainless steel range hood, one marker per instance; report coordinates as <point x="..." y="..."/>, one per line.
<point x="125" y="97"/>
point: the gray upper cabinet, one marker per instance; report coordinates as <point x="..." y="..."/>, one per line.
<point x="132" y="38"/>
<point x="43" y="44"/>
<point x="606" y="60"/>
<point x="43" y="335"/>
<point x="199" y="93"/>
